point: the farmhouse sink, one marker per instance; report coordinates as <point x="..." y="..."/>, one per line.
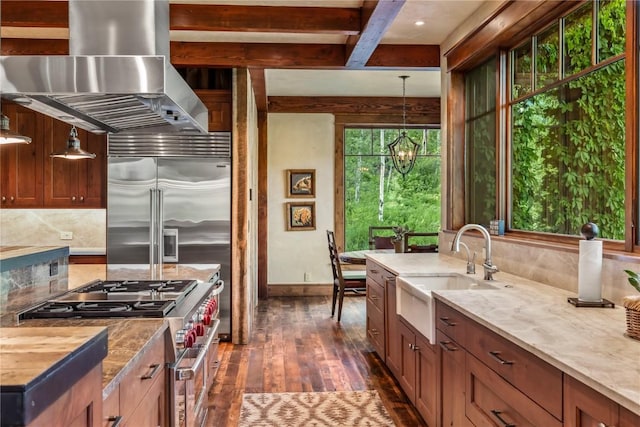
<point x="415" y="303"/>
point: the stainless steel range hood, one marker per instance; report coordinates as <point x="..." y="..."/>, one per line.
<point x="117" y="78"/>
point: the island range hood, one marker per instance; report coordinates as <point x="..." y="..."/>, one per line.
<point x="117" y="78"/>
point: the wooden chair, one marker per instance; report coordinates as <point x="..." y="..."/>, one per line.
<point x="380" y="242"/>
<point x="350" y="281"/>
<point x="417" y="247"/>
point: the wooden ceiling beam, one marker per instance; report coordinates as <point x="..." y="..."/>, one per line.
<point x="29" y="13"/>
<point x="258" y="55"/>
<point x="378" y="16"/>
<point x="259" y="85"/>
<point x="267" y="19"/>
<point x="354" y="105"/>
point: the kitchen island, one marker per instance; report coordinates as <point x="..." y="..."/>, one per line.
<point x="131" y="340"/>
<point x="586" y="344"/>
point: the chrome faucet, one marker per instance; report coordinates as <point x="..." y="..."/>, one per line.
<point x="489" y="268"/>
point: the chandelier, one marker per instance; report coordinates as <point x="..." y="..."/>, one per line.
<point x="403" y="149"/>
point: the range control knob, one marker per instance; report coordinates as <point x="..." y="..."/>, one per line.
<point x="207" y="319"/>
<point x="189" y="340"/>
<point x="199" y="329"/>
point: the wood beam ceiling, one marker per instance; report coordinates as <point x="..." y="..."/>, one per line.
<point x="363" y="28"/>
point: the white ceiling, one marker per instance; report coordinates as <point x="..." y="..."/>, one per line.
<point x="440" y="19"/>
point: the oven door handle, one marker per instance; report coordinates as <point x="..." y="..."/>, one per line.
<point x="190" y="372"/>
<point x="218" y="287"/>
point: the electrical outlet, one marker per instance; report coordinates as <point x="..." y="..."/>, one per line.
<point x="53" y="269"/>
<point x="66" y="235"/>
<point x="307" y="277"/>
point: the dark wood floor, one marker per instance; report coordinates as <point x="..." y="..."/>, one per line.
<point x="297" y="346"/>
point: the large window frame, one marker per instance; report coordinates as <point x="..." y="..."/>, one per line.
<point x="471" y="52"/>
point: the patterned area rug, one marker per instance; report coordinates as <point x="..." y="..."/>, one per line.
<point x="331" y="409"/>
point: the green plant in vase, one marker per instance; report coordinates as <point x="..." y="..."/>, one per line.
<point x="398" y="237"/>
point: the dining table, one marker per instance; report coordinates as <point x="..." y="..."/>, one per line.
<point x="360" y="257"/>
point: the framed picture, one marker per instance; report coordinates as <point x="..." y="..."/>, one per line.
<point x="301" y="216"/>
<point x="301" y="182"/>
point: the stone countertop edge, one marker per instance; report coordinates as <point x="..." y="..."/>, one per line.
<point x="22" y="403"/>
<point x="30" y="255"/>
<point x="588" y="344"/>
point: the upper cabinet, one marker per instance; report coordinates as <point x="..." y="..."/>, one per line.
<point x="21" y="165"/>
<point x="74" y="183"/>
<point x="32" y="179"/>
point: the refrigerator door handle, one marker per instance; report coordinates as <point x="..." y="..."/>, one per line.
<point x="152" y="228"/>
<point x="160" y="232"/>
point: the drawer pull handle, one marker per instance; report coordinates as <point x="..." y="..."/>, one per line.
<point x="495" y="355"/>
<point x="497" y="415"/>
<point x="414" y="347"/>
<point x="115" y="420"/>
<point x="446" y="321"/>
<point x="374" y="331"/>
<point x="375" y="271"/>
<point x="373" y="297"/>
<point x="156" y="367"/>
<point x="446" y="346"/>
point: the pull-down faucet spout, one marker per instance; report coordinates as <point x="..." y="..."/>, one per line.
<point x="489" y="268"/>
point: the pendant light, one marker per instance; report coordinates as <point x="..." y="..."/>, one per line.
<point x="9" y="137"/>
<point x="403" y="149"/>
<point x="73" y="150"/>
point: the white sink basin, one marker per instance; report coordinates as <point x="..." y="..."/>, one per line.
<point x="415" y="303"/>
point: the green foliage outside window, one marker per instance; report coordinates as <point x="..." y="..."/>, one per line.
<point x="568" y="142"/>
<point x="375" y="194"/>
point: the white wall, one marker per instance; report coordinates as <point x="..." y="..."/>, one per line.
<point x="300" y="141"/>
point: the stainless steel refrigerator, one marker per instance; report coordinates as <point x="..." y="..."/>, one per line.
<point x="169" y="201"/>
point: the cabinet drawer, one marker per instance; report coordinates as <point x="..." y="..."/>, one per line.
<point x="111" y="408"/>
<point x="534" y="377"/>
<point x="375" y="294"/>
<point x="142" y="376"/>
<point x="377" y="273"/>
<point x="490" y="400"/>
<point x="375" y="328"/>
<point x="452" y="323"/>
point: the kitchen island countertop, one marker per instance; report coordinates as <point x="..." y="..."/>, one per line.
<point x="588" y="344"/>
<point x="126" y="336"/>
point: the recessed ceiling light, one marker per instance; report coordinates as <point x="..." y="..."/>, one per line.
<point x="419" y="23"/>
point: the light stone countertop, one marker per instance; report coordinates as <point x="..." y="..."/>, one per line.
<point x="8" y="252"/>
<point x="588" y="344"/>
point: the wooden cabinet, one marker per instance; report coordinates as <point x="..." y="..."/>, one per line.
<point x="585" y="407"/>
<point x="21" y="165"/>
<point x="140" y="400"/>
<point x="377" y="307"/>
<point x="219" y="104"/>
<point x="32" y="179"/>
<point x="79" y="406"/>
<point x="451" y="381"/>
<point x="418" y="371"/>
<point x="75" y="183"/>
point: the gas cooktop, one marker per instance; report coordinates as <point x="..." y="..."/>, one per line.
<point x="111" y="298"/>
<point x="60" y="309"/>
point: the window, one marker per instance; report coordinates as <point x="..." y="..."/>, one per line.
<point x="376" y="194"/>
<point x="568" y="137"/>
<point x="480" y="137"/>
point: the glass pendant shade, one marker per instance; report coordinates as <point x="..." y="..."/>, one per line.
<point x="9" y="137"/>
<point x="403" y="149"/>
<point x="403" y="153"/>
<point x="73" y="150"/>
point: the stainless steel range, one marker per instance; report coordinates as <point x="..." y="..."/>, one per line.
<point x="192" y="311"/>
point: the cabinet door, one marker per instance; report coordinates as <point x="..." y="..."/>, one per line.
<point x="628" y="419"/>
<point x="74" y="183"/>
<point x="394" y="342"/>
<point x="584" y="407"/>
<point x="451" y="361"/>
<point x="151" y="411"/>
<point x="21" y="164"/>
<point x="426" y="382"/>
<point x="407" y="377"/>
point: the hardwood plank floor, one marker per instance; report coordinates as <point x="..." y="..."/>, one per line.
<point x="297" y="346"/>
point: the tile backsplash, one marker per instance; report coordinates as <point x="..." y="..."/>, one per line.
<point x="45" y="227"/>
